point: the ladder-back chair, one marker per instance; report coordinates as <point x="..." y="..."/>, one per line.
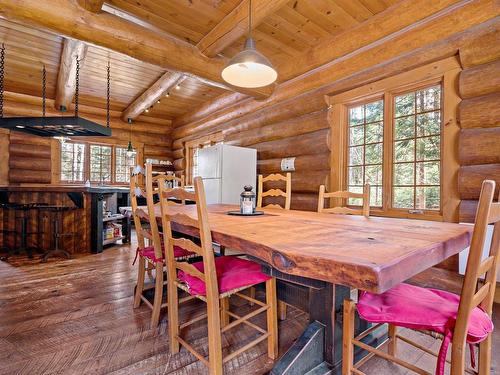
<point x="345" y="195"/>
<point x="207" y="281"/>
<point x="459" y="319"/>
<point x="274" y="192"/>
<point x="151" y="256"/>
<point x="287" y="193"/>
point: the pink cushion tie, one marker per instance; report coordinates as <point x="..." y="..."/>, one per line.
<point x="425" y="309"/>
<point x="149" y="252"/>
<point x="232" y="273"/>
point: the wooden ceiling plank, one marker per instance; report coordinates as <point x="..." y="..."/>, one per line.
<point x="151" y="95"/>
<point x="94" y="6"/>
<point x="66" y="84"/>
<point x="235" y="25"/>
<point x="109" y="31"/>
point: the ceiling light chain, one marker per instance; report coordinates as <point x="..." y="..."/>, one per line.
<point x="77" y="85"/>
<point x="44" y="90"/>
<point x="2" y="66"/>
<point x="108" y="91"/>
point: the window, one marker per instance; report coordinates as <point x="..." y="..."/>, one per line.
<point x="417" y="149"/>
<point x="192" y="149"/>
<point x="100" y="163"/>
<point x="73" y="162"/>
<point x="95" y="162"/>
<point x="366" y="133"/>
<point x="391" y="135"/>
<point x="123" y="163"/>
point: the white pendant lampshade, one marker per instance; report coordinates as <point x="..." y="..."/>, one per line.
<point x="249" y="68"/>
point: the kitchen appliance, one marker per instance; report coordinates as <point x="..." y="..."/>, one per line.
<point x="225" y="170"/>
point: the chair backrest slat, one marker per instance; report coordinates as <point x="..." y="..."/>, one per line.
<point x="494" y="213"/>
<point x="476" y="267"/>
<point x="183" y="219"/>
<point x="178" y="193"/>
<point x="187" y="245"/>
<point x="190" y="269"/>
<point x="275" y="192"/>
<point x="344" y="195"/>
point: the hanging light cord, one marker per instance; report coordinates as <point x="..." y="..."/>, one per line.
<point x="77" y="88"/>
<point x="107" y="95"/>
<point x="2" y="66"/>
<point x="44" y="87"/>
<point x="249" y="18"/>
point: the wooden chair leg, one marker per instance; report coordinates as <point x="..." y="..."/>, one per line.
<point x="155" y="316"/>
<point x="485" y="356"/>
<point x="173" y="315"/>
<point x="224" y="316"/>
<point x="348" y="335"/>
<point x="141" y="274"/>
<point x="282" y="310"/>
<point x="272" y="319"/>
<point x="458" y="358"/>
<point x="214" y="337"/>
<point x="251" y="293"/>
<point x="392" y="346"/>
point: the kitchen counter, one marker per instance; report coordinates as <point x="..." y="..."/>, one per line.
<point x="84" y="224"/>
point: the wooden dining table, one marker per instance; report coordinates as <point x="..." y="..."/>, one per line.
<point x="319" y="259"/>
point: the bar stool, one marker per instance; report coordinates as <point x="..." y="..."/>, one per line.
<point x="23" y="216"/>
<point x="55" y="213"/>
<point x="5" y="207"/>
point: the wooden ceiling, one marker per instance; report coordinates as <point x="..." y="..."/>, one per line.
<point x="288" y="32"/>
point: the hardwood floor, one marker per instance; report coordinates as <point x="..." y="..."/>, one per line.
<point x="76" y="317"/>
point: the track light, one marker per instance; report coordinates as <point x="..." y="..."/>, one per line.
<point x="158" y="101"/>
<point x="167" y="94"/>
<point x="178" y="87"/>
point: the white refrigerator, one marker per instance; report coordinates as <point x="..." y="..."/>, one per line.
<point x="225" y="171"/>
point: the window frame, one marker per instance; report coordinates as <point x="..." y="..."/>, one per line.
<point x="192" y="145"/>
<point x="86" y="168"/>
<point x="444" y="72"/>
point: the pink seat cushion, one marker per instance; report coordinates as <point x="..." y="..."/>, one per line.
<point x="425" y="309"/>
<point x="232" y="273"/>
<point x="149" y="252"/>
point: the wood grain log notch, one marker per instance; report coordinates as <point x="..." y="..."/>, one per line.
<point x="471" y="177"/>
<point x="480" y="112"/>
<point x="479" y="146"/>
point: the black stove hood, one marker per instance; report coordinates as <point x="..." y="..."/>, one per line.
<point x="55" y="126"/>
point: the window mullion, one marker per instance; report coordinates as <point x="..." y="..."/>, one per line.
<point x="387" y="156"/>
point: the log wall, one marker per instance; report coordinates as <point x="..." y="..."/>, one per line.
<point x="479" y="117"/>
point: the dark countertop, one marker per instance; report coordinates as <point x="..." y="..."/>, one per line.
<point x="66" y="188"/>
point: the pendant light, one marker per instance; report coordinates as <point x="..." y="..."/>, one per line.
<point x="249" y="68"/>
<point x="130" y="149"/>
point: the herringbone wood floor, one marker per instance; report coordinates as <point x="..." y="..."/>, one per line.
<point x="76" y="317"/>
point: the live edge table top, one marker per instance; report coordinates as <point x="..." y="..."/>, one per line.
<point x="372" y="254"/>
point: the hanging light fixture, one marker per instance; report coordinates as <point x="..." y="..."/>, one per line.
<point x="249" y="68"/>
<point x="130" y="149"/>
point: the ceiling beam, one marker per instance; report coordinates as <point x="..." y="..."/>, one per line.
<point x="94" y="6"/>
<point x="67" y="18"/>
<point x="66" y="83"/>
<point x="235" y="25"/>
<point x="151" y="95"/>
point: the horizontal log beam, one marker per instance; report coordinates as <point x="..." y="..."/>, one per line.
<point x="481" y="80"/>
<point x="67" y="18"/>
<point x="20" y="150"/>
<point x="288" y="128"/>
<point x="29" y="163"/>
<point x="480" y="112"/>
<point x="480" y="50"/>
<point x="308" y="144"/>
<point x="300" y="201"/>
<point x="302" y="163"/>
<point x="471" y="177"/>
<point x="149" y="97"/>
<point x="303" y="181"/>
<point x="467" y="211"/>
<point x="479" y="146"/>
<point x="94" y="6"/>
<point x="18" y="176"/>
<point x="66" y="82"/>
<point x="235" y="25"/>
